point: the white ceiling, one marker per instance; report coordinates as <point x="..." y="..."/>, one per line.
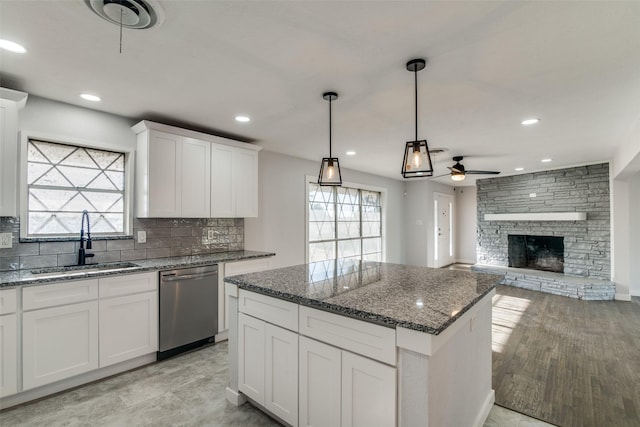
<point x="575" y="65"/>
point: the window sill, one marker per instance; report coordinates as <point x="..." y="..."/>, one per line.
<point x="70" y="238"/>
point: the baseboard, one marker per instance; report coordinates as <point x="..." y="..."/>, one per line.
<point x="486" y="408"/>
<point x="222" y="336"/>
<point x="234" y="397"/>
<point x="635" y="293"/>
<point x="78" y="380"/>
<point x="466" y="261"/>
<point x="623" y="297"/>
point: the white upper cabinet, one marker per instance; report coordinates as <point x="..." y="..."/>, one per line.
<point x="234" y="182"/>
<point x="187" y="174"/>
<point x="172" y="176"/>
<point x="10" y="102"/>
<point x="196" y="178"/>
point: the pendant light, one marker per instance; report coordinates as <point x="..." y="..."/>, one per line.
<point x="417" y="160"/>
<point x="330" y="167"/>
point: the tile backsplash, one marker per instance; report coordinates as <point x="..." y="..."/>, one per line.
<point x="165" y="237"/>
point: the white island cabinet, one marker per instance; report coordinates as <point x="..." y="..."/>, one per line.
<point x="367" y="356"/>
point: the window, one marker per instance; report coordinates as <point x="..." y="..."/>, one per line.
<point x="344" y="223"/>
<point x="63" y="180"/>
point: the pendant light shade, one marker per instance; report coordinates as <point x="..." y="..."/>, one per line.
<point x="330" y="167"/>
<point x="417" y="160"/>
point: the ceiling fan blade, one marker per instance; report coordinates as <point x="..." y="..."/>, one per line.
<point x="439" y="176"/>
<point x="483" y="172"/>
<point x="454" y="169"/>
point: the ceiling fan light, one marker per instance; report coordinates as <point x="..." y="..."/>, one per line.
<point x="456" y="176"/>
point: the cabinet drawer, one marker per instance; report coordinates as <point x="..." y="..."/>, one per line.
<point x="129" y="284"/>
<point x="367" y="339"/>
<point x="59" y="294"/>
<point x="8" y="301"/>
<point x="272" y="310"/>
<point x="248" y="266"/>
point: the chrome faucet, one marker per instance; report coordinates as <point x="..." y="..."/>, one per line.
<point x="82" y="255"/>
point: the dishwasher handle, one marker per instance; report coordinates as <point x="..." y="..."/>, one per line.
<point x="173" y="278"/>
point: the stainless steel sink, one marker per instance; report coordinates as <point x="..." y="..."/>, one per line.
<point x="78" y="270"/>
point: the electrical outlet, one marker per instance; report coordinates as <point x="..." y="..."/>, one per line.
<point x="210" y="234"/>
<point x="142" y="236"/>
<point x="532" y="195"/>
<point x="6" y="240"/>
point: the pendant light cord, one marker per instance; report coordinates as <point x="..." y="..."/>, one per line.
<point x="415" y="75"/>
<point x="121" y="11"/>
<point x="330" y="127"/>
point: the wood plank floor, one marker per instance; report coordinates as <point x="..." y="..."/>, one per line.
<point x="566" y="361"/>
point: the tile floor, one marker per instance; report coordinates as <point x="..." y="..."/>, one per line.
<point x="187" y="390"/>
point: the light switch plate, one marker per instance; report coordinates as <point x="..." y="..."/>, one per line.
<point x="142" y="236"/>
<point x="210" y="234"/>
<point x="5" y="241"/>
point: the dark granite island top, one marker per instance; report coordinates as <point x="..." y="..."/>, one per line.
<point x="418" y="298"/>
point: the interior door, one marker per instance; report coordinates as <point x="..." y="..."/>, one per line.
<point x="443" y="230"/>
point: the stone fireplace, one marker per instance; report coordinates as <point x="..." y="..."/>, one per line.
<point x="562" y="214"/>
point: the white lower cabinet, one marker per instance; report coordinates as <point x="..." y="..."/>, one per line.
<point x="268" y="366"/>
<point x="8" y="355"/>
<point x="251" y="349"/>
<point x="231" y="269"/>
<point x="320" y="388"/>
<point x="128" y="327"/>
<point x="368" y="392"/>
<point x="339" y="388"/>
<point x="58" y="343"/>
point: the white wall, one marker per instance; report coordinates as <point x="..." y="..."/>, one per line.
<point x="280" y="226"/>
<point x="634" y="248"/>
<point x="419" y="220"/>
<point x="57" y="119"/>
<point x="626" y="221"/>
<point x="465" y="224"/>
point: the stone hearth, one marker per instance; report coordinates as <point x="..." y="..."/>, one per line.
<point x="586" y="288"/>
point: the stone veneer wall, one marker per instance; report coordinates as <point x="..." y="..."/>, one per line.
<point x="587" y="244"/>
<point x="165" y="237"/>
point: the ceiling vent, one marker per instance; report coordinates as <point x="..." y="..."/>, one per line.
<point x="133" y="14"/>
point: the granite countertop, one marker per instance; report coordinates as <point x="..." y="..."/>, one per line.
<point x="418" y="298"/>
<point x="27" y="277"/>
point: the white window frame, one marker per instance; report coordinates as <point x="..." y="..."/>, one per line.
<point x="309" y="179"/>
<point x="23" y="188"/>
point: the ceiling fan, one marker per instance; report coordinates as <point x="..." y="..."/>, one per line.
<point x="458" y="172"/>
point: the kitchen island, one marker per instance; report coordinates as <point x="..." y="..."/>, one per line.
<point x="362" y="344"/>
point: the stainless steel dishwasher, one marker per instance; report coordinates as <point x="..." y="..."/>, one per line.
<point x="188" y="309"/>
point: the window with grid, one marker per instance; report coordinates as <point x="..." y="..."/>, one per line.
<point x="344" y="223"/>
<point x="63" y="180"/>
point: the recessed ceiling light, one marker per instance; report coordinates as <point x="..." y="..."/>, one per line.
<point x="350" y="153"/>
<point x="11" y="46"/>
<point x="242" y="119"/>
<point x="89" y="97"/>
<point x="545" y="160"/>
<point x="519" y="169"/>
<point x="530" y="121"/>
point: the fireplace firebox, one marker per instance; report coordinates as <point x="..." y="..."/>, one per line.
<point x="544" y="253"/>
